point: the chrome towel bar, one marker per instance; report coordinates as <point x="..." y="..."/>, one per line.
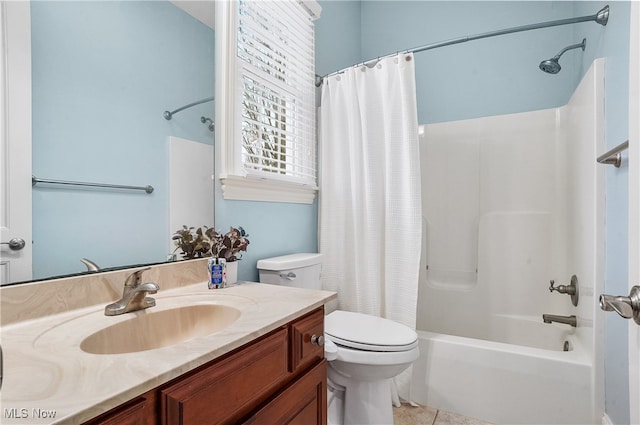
<point x="613" y="156"/>
<point x="35" y="180"/>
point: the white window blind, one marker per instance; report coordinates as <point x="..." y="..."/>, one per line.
<point x="276" y="92"/>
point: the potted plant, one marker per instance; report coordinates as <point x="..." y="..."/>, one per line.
<point x="193" y="243"/>
<point x="206" y="241"/>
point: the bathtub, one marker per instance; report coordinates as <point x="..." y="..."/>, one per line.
<point x="503" y="382"/>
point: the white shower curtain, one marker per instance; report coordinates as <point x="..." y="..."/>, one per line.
<point x="370" y="208"/>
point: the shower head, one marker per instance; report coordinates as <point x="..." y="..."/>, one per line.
<point x="552" y="66"/>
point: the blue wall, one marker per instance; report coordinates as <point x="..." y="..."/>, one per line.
<point x="613" y="44"/>
<point x="338" y="34"/>
<point x="274" y="229"/>
<point x="492" y="76"/>
<point x="103" y="73"/>
<point x="480" y="78"/>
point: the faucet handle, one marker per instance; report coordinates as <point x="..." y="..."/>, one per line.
<point x="571" y="289"/>
<point x="626" y="307"/>
<point x="135" y="278"/>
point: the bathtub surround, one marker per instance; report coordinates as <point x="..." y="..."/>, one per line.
<point x="537" y="197"/>
<point x="190" y="188"/>
<point x="614" y="45"/>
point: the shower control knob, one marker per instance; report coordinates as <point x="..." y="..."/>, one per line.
<point x="571" y="289"/>
<point x="317" y="340"/>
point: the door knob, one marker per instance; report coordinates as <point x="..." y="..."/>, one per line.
<point x="15" y="244"/>
<point x="627" y="307"/>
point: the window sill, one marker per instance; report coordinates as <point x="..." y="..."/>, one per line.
<point x="255" y="189"/>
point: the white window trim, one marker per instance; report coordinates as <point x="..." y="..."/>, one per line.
<point x="235" y="182"/>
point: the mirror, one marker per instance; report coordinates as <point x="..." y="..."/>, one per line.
<point x="103" y="73"/>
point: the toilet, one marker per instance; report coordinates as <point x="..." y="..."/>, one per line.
<point x="364" y="352"/>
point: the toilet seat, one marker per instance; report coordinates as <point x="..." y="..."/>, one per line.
<point x="368" y="333"/>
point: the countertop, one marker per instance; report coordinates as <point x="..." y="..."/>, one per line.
<point x="49" y="379"/>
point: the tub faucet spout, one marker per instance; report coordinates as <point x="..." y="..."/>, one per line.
<point x="567" y="320"/>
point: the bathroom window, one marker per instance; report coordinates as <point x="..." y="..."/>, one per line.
<point x="268" y="149"/>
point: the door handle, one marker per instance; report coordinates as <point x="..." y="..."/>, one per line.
<point x="15" y="244"/>
<point x="627" y="307"/>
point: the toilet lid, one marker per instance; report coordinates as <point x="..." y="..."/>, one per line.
<point x="366" y="332"/>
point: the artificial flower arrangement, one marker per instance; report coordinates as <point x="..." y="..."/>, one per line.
<point x="199" y="243"/>
<point x="230" y="245"/>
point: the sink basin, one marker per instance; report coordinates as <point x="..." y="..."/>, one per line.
<point x="149" y="330"/>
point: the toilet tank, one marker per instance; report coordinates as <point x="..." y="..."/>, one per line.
<point x="297" y="270"/>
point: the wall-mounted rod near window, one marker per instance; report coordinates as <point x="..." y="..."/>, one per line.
<point x="169" y="114"/>
<point x="35" y="180"/>
<point x="613" y="156"/>
<point x="601" y="17"/>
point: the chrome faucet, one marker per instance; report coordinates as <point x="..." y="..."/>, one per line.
<point x="91" y="266"/>
<point x="134" y="295"/>
<point x="567" y="320"/>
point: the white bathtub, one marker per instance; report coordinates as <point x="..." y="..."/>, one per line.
<point x="505" y="383"/>
<point x="510" y="203"/>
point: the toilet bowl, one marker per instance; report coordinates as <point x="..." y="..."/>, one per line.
<point x="364" y="352"/>
<point x="370" y="352"/>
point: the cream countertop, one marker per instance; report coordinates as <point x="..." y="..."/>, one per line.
<point x="46" y="373"/>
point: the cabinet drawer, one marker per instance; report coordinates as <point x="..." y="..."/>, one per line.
<point x="302" y="403"/>
<point x="303" y="351"/>
<point x="228" y="389"/>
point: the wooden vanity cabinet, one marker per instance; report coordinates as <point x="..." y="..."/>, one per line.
<point x="280" y="378"/>
<point x="139" y="411"/>
<point x="302" y="403"/>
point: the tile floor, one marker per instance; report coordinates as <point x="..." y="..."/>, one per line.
<point x="424" y="415"/>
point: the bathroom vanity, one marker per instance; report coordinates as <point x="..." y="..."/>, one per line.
<point x="278" y="378"/>
<point x="260" y="365"/>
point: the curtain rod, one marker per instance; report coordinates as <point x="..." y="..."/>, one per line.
<point x="168" y="114"/>
<point x="601" y="17"/>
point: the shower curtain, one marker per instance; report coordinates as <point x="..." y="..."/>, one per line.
<point x="370" y="207"/>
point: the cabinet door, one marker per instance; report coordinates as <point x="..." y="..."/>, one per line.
<point x="302" y="403"/>
<point x="304" y="351"/>
<point x="229" y="389"/>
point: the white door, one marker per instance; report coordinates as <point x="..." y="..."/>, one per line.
<point x="15" y="141"/>
<point x="634" y="206"/>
